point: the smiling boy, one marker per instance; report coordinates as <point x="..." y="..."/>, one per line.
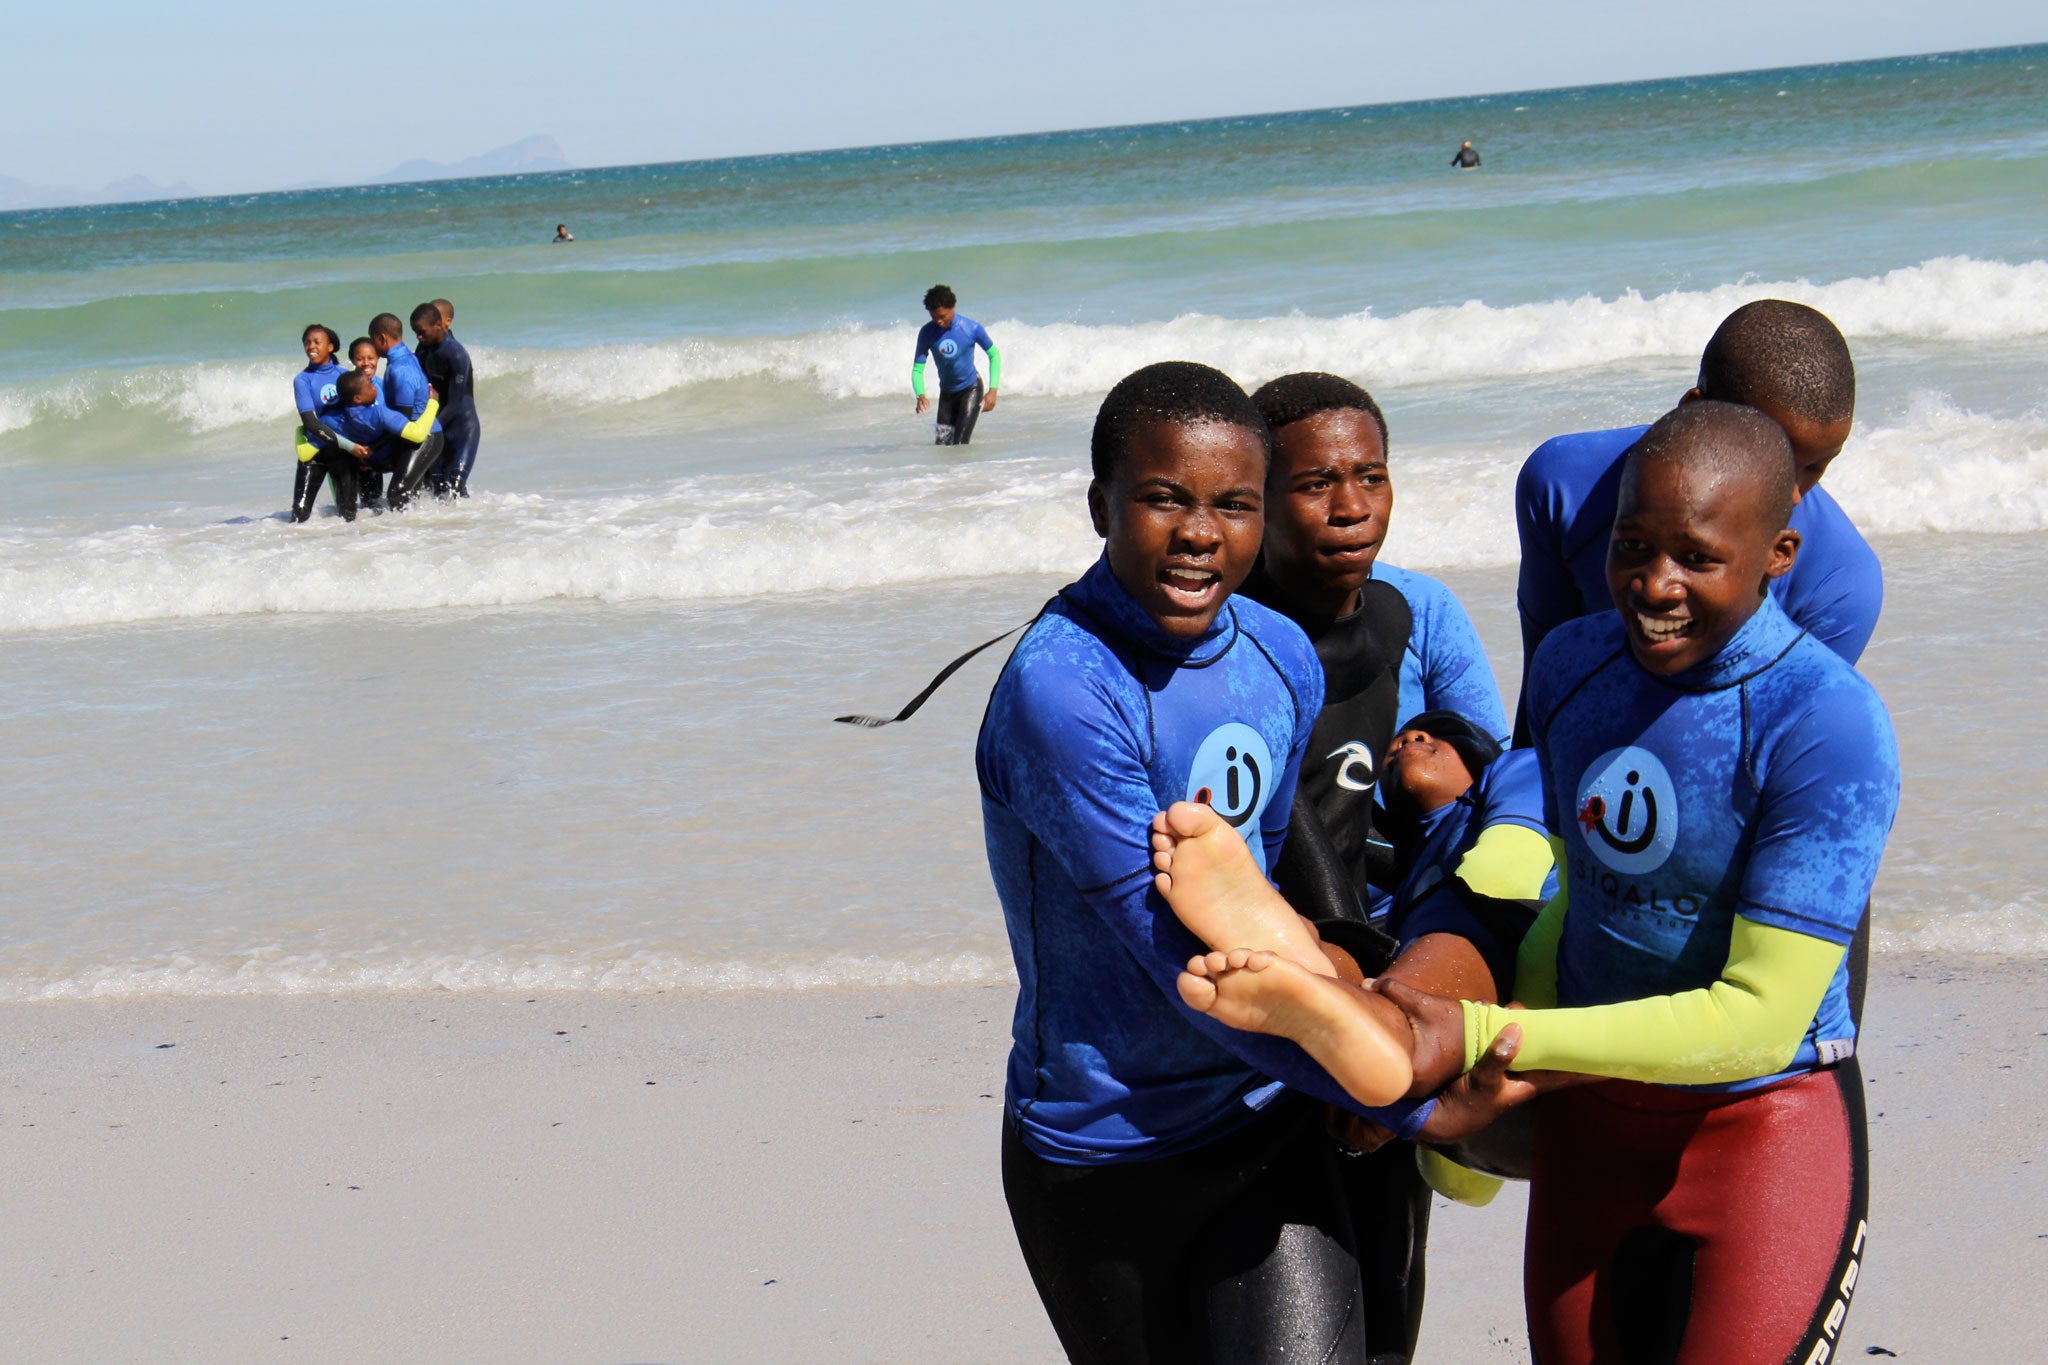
<point x="1171" y="1202"/>
<point x="1721" y="784"/>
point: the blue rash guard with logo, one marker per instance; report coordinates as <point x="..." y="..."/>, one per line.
<point x="1099" y="721"/>
<point x="1760" y="783"/>
<point x="313" y="389"/>
<point x="368" y="424"/>
<point x="404" y="387"/>
<point x="953" y="349"/>
<point x="1565" y="502"/>
<point x="1508" y="790"/>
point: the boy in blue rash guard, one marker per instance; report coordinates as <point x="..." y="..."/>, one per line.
<point x="1141" y="684"/>
<point x="448" y="370"/>
<point x="1790" y="363"/>
<point x="388" y="440"/>
<point x="951" y="338"/>
<point x="1722" y="785"/>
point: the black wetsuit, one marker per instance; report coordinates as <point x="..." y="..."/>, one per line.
<point x="348" y="473"/>
<point x="1334" y="852"/>
<point x="956" y="415"/>
<point x="1465" y="159"/>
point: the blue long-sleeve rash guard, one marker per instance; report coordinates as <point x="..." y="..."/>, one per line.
<point x="1760" y="783"/>
<point x="404" y="387"/>
<point x="1099" y="721"/>
<point x="368" y="424"/>
<point x="313" y="392"/>
<point x="1445" y="667"/>
<point x="1565" y="502"/>
<point x="953" y="349"/>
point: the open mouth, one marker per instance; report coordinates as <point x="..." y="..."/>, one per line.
<point x="1189" y="587"/>
<point x="1658" y="629"/>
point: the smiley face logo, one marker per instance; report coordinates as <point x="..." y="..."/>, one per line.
<point x="1628" y="810"/>
<point x="1234" y="771"/>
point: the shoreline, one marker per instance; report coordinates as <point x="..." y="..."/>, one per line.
<point x="454" y="1177"/>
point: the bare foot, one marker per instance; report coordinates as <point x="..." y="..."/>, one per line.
<point x="1207" y="875"/>
<point x="1262" y="992"/>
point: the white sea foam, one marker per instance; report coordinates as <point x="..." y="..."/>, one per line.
<point x="1942" y="469"/>
<point x="1949" y="299"/>
<point x="274" y="971"/>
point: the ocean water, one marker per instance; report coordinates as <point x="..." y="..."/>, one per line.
<point x="575" y="731"/>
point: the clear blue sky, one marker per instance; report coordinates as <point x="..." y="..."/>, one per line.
<point x="242" y="94"/>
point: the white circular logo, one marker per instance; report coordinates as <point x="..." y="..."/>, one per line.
<point x="1628" y="810"/>
<point x="1234" y="772"/>
<point x="949" y="348"/>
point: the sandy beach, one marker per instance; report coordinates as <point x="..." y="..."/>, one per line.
<point x="811" y="1175"/>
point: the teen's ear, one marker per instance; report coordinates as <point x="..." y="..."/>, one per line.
<point x="1784" y="553"/>
<point x="1691" y="395"/>
<point x="1098" y="508"/>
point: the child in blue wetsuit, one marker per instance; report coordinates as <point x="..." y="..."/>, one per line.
<point x="1787" y="361"/>
<point x="1721" y="784"/>
<point x="950" y="338"/>
<point x="315" y="399"/>
<point x="386" y="439"/>
<point x="1171" y="1200"/>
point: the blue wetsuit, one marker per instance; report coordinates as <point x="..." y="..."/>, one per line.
<point x="1565" y="502"/>
<point x="1761" y="783"/>
<point x="313" y="393"/>
<point x="447" y="367"/>
<point x="1099" y="721"/>
<point x="1445" y="667"/>
<point x="953" y="349"/>
<point x="403" y="386"/>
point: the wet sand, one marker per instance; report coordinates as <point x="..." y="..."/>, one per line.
<point x="810" y="1175"/>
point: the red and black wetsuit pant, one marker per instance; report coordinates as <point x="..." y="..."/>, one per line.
<point x="1706" y="1229"/>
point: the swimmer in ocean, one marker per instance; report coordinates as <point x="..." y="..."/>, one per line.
<point x="1465" y="159"/>
<point x="1721" y="785"/>
<point x="562" y="234"/>
<point x="1172" y="1187"/>
<point x="951" y="338"/>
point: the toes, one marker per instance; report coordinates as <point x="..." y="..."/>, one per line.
<point x="1218" y="963"/>
<point x="1239" y="956"/>
<point x="1199" y="992"/>
<point x="1260" y="960"/>
<point x="1189" y="818"/>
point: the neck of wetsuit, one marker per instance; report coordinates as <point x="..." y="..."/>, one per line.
<point x="1761" y="642"/>
<point x="1102" y="596"/>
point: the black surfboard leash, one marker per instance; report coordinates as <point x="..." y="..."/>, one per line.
<point x="910" y="707"/>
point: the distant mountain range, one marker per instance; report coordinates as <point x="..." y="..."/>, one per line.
<point x="537" y="153"/>
<point x="20" y="194"/>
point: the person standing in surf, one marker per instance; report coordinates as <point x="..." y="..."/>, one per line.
<point x="322" y="450"/>
<point x="447" y="367"/>
<point x="1171" y="1199"/>
<point x="950" y="338"/>
<point x="1465" y="159"/>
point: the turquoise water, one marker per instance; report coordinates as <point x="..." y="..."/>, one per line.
<point x="699" y="458"/>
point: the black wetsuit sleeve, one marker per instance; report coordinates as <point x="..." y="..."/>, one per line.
<point x="320" y="434"/>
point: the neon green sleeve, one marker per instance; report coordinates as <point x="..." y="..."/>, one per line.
<point x="917" y="378"/>
<point x="1536" y="959"/>
<point x="995" y="369"/>
<point x="307" y="450"/>
<point x="1508" y="863"/>
<point x="1749" y="1023"/>
<point x="420" y="427"/>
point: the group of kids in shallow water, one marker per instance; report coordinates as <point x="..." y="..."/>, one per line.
<point x="1302" y="929"/>
<point x="382" y="437"/>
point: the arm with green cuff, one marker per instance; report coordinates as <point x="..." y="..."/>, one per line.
<point x="917" y="378"/>
<point x="1749" y="1023"/>
<point x="422" y="426"/>
<point x="995" y="369"/>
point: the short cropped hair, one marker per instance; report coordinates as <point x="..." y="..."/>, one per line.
<point x="333" y="337"/>
<point x="939" y="296"/>
<point x="447" y="311"/>
<point x="1732" y="440"/>
<point x="354" y="384"/>
<point x="387" y="325"/>
<point x="1294" y="397"/>
<point x="1177" y="391"/>
<point x="1773" y="353"/>
<point x="361" y="341"/>
<point x="425" y="310"/>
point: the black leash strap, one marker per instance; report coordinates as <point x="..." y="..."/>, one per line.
<point x="909" y="710"/>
